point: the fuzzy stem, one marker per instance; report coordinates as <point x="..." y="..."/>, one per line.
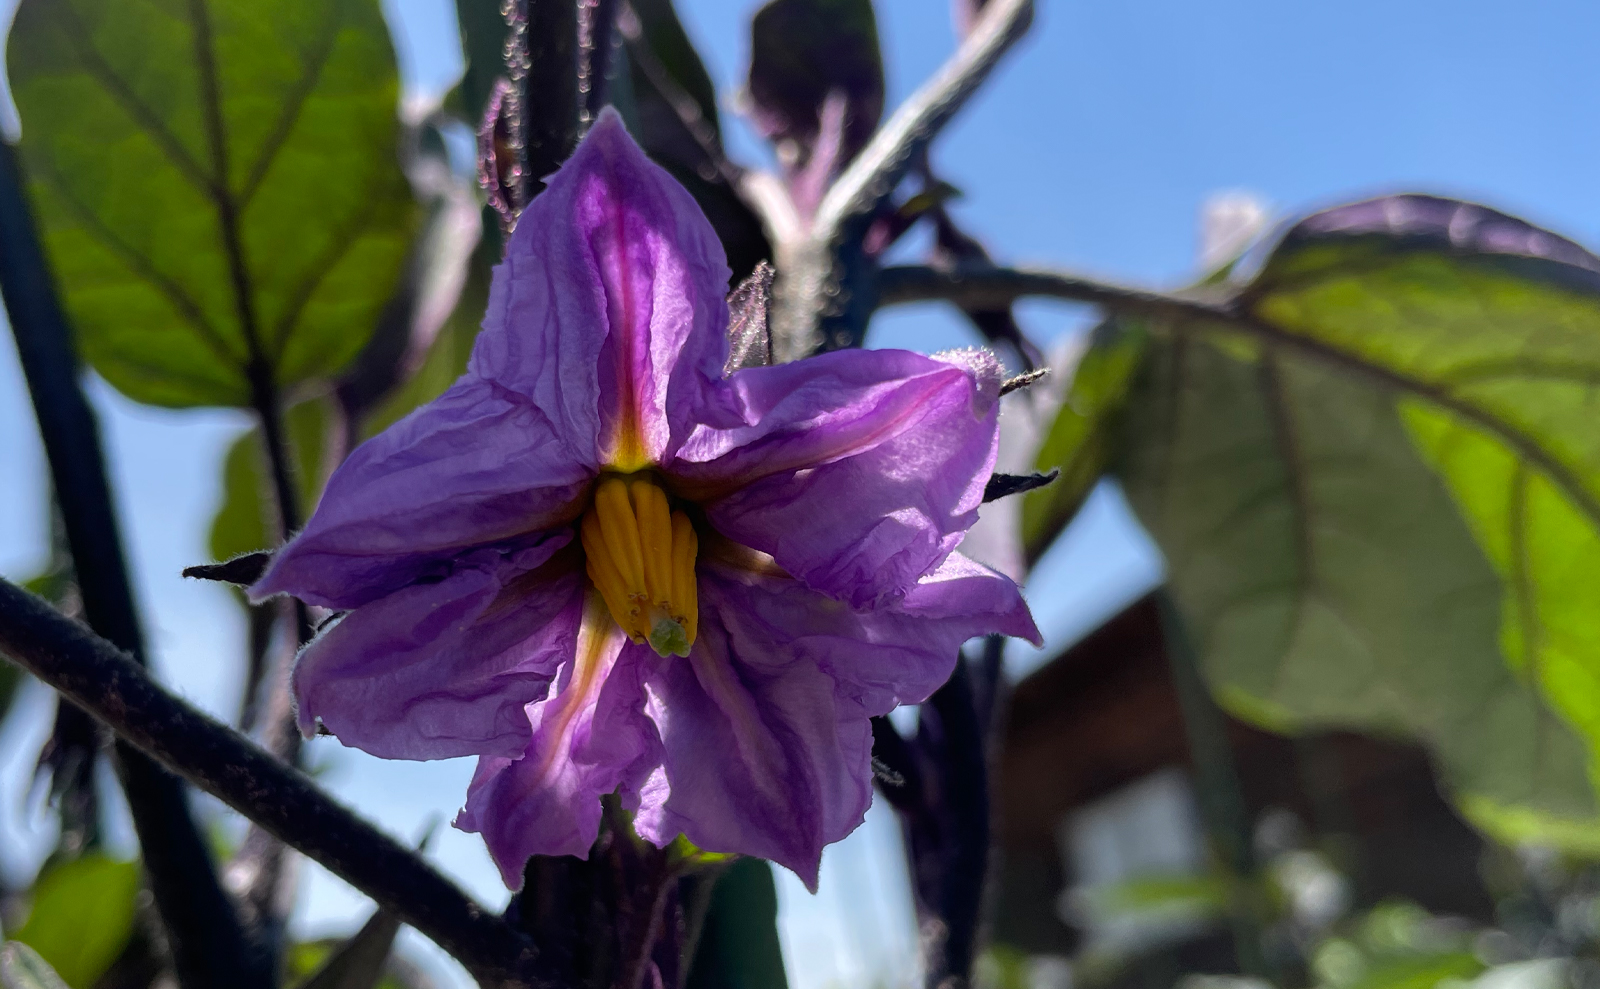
<point x="104" y="681"/>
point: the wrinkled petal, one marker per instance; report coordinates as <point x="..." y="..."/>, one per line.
<point x="444" y="669"/>
<point x="476" y="466"/>
<point x="609" y="310"/>
<point x="590" y="737"/>
<point x="858" y="471"/>
<point x="891" y="656"/>
<point x="763" y="753"/>
<point x="765" y="728"/>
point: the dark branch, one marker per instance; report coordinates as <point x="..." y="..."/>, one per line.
<point x="1005" y="485"/>
<point x="209" y="946"/>
<point x="1201" y="312"/>
<point x="987" y="286"/>
<point x="102" y="680"/>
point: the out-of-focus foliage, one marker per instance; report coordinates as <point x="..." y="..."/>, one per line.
<point x="216" y="183"/>
<point x="1377" y="485"/>
<point x="22" y="968"/>
<point x="81" y="916"/>
<point x="1395" y="946"/>
<point x="738" y="943"/>
<point x="671" y="109"/>
<point x="804" y="53"/>
<point x="358" y="962"/>
<point x="239" y="525"/>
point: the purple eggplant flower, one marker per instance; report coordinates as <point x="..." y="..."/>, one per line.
<point x="602" y="564"/>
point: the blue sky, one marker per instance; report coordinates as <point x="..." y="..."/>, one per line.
<point x="1092" y="149"/>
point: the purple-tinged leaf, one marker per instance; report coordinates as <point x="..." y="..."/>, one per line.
<point x="802" y="52"/>
<point x="1413" y="222"/>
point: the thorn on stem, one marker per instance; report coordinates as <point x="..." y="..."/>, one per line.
<point x="1005" y="485"/>
<point x="1023" y="380"/>
<point x="242" y="570"/>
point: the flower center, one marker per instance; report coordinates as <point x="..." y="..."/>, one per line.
<point x="640" y="556"/>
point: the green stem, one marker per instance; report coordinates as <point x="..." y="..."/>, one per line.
<point x="1222" y="805"/>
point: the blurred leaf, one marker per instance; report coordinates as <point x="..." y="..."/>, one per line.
<point x="216" y="182"/>
<point x="683" y="78"/>
<point x="674" y="118"/>
<point x="483" y="38"/>
<point x="358" y="963"/>
<point x="801" y="51"/>
<point x="1378" y="490"/>
<point x="239" y="526"/>
<point x="436" y="271"/>
<point x="445" y="361"/>
<point x="303" y="960"/>
<point x="10" y="679"/>
<point x="1079" y="441"/>
<point x="82" y="916"/>
<point x="738" y="946"/>
<point x="1419" y="973"/>
<point x="1206" y="893"/>
<point x="22" y="968"/>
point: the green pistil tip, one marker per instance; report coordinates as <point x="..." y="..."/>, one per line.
<point x="668" y="638"/>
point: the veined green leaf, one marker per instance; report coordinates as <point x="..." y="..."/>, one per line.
<point x="1376" y="480"/>
<point x="82" y="916"/>
<point x="1079" y="441"/>
<point x="216" y="182"/>
<point x="1325" y="574"/>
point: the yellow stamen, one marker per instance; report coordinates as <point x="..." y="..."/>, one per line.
<point x="621" y="533"/>
<point x="685" y="545"/>
<point x="640" y="556"/>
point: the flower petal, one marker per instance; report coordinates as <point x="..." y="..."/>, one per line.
<point x="765" y="728"/>
<point x="763" y="753"/>
<point x="895" y="655"/>
<point x="444" y="669"/>
<point x="476" y="466"/>
<point x="858" y="471"/>
<point x="612" y="295"/>
<point x="590" y="737"/>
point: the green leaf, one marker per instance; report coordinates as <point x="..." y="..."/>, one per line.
<point x="1080" y="440"/>
<point x="1420" y="973"/>
<point x="445" y="361"/>
<point x="240" y="523"/>
<point x="1377" y="483"/>
<point x="738" y="945"/>
<point x="82" y="916"/>
<point x="22" y="968"/>
<point x="216" y="183"/>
